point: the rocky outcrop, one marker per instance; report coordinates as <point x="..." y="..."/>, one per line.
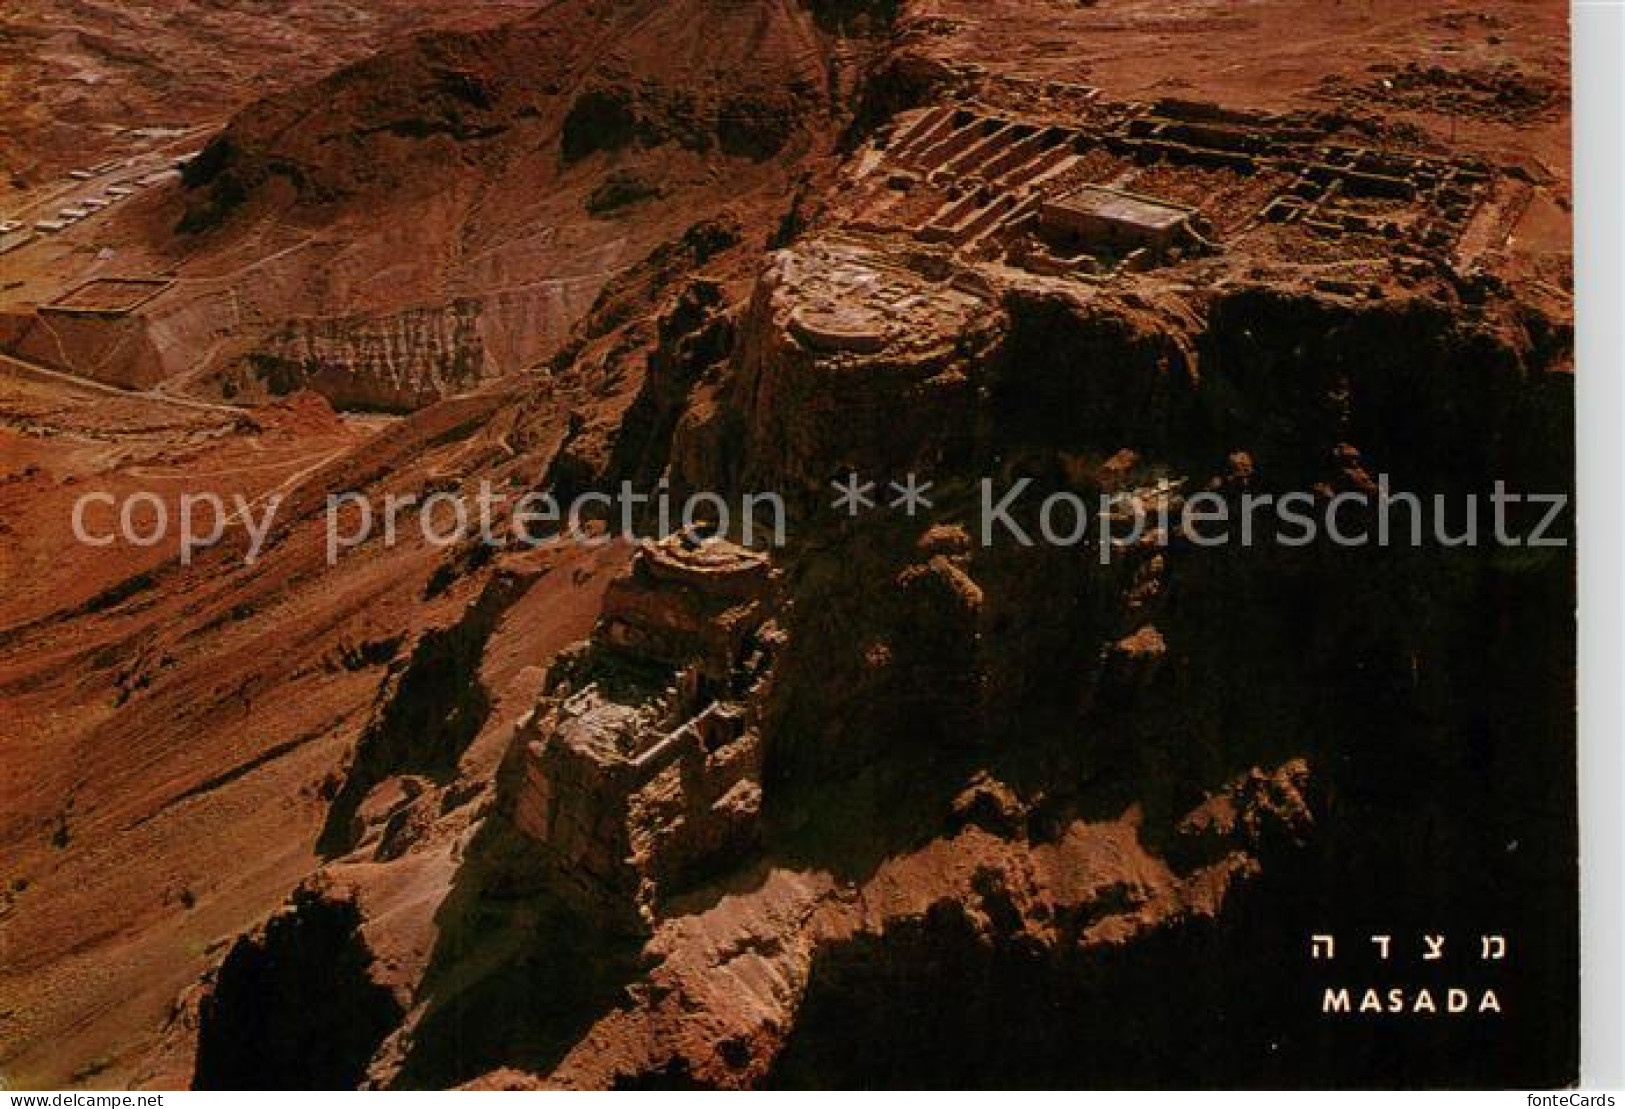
<point x="695" y="337"/>
<point x="925" y="790"/>
<point x="912" y="805"/>
<point x="294" y="1005"/>
<point x="429" y="709"/>
<point x="420" y="222"/>
<point x="640" y="772"/>
<point x="116" y="350"/>
<point x="741" y="80"/>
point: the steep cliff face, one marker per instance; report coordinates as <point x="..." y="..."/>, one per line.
<point x="1002" y="983"/>
<point x="398" y="362"/>
<point x="428" y="712"/>
<point x="917" y="655"/>
<point x="748" y="988"/>
<point x="295" y="1004"/>
<point x="119" y="351"/>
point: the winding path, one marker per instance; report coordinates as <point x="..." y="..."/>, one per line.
<point x="26" y="368"/>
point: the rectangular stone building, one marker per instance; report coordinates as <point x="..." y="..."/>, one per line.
<point x="1103" y="218"/>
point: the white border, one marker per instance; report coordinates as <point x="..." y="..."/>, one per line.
<point x="1599" y="185"/>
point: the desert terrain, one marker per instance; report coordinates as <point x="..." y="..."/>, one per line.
<point x="881" y="805"/>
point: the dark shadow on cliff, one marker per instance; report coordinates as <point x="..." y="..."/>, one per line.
<point x="516" y="978"/>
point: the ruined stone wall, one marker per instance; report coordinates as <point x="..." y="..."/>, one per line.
<point x="116" y="350"/>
